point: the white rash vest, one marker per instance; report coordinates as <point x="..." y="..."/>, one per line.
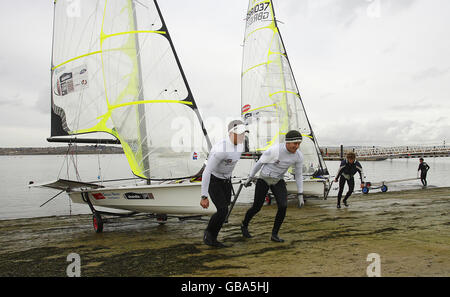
<point x="221" y="162"/>
<point x="275" y="162"/>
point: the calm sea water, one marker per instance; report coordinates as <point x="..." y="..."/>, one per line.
<point x="17" y="200"/>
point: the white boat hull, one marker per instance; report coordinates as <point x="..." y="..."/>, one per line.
<point x="178" y="199"/>
<point x="311" y="187"/>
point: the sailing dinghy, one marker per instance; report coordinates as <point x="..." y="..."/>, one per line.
<point x="115" y="71"/>
<point x="271" y="101"/>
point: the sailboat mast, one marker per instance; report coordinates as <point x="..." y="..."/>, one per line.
<point x="51" y="63"/>
<point x="283" y="77"/>
<point x="142" y="123"/>
<point x="287" y="58"/>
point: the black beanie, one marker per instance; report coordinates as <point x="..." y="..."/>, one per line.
<point x="294" y="136"/>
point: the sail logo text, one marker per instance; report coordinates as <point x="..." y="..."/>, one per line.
<point x="258" y="12"/>
<point x="139" y="196"/>
<point x="101" y="196"/>
<point x="246" y="108"/>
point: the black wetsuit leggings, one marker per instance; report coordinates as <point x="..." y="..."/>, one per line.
<point x="351" y="187"/>
<point x="220" y="193"/>
<point x="280" y="192"/>
<point x="423" y="178"/>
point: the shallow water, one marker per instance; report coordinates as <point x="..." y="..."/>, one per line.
<point x="20" y="201"/>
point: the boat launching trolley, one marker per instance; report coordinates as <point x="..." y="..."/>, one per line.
<point x="382" y="185"/>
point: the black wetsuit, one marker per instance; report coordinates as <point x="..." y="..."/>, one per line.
<point x="274" y="163"/>
<point x="279" y="191"/>
<point x="423" y="167"/>
<point x="345" y="174"/>
<point x="216" y="183"/>
<point x="220" y="193"/>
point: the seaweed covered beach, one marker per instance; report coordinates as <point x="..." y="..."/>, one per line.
<point x="409" y="230"/>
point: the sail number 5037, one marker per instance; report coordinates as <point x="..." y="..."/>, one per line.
<point x="257" y="13"/>
<point x="259" y="7"/>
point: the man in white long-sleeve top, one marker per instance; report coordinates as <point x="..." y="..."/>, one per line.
<point x="273" y="164"/>
<point x="216" y="179"/>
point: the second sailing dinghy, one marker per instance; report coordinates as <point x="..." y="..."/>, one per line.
<point x="115" y="70"/>
<point x="271" y="102"/>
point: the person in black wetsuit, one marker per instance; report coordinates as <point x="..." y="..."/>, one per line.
<point x="345" y="174"/>
<point x="423" y="168"/>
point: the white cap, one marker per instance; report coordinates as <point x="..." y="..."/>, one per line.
<point x="239" y="129"/>
<point x="236" y="127"/>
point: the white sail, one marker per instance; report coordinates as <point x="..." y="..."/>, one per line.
<point x="115" y="70"/>
<point x="271" y="102"/>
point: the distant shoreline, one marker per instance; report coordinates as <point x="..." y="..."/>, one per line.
<point x="328" y="153"/>
<point x="95" y="149"/>
<point x="332" y="153"/>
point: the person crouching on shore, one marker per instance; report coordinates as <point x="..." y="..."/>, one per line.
<point x="274" y="163"/>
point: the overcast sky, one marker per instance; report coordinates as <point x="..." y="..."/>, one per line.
<point x="371" y="72"/>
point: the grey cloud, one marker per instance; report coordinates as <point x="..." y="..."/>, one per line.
<point x="341" y="12"/>
<point x="293" y="8"/>
<point x="217" y="59"/>
<point x="43" y="101"/>
<point x="431" y="72"/>
<point x="359" y="82"/>
<point x="382" y="132"/>
<point x="347" y="11"/>
<point x="326" y="95"/>
<point x="423" y="104"/>
<point x="372" y="6"/>
<point x="14" y="100"/>
<point x="400" y="5"/>
<point x="417" y="107"/>
<point x="389" y="49"/>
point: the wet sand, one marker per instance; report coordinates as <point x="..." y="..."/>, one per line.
<point x="410" y="230"/>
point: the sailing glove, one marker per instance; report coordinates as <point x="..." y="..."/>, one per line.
<point x="301" y="202"/>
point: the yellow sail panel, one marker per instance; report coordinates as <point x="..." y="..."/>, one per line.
<point x="147" y="93"/>
<point x="271" y="104"/>
<point x="263" y="80"/>
<point x="118" y="73"/>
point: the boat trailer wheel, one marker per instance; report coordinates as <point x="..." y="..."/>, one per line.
<point x="384" y="188"/>
<point x="97" y="221"/>
<point x="365" y="190"/>
<point x="161" y="218"/>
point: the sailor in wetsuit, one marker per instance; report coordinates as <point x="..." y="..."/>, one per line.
<point x="274" y="163"/>
<point x="216" y="179"/>
<point x="346" y="172"/>
<point x="423" y="168"/>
